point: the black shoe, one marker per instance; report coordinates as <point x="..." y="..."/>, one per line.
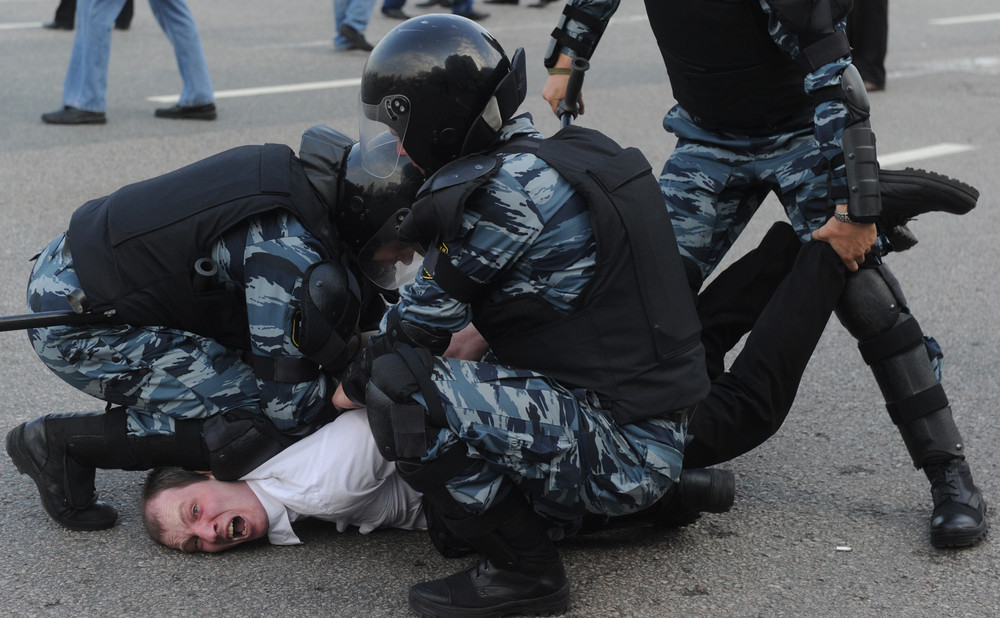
<point x="395" y="14"/>
<point x="356" y="38"/>
<point x="911" y="192"/>
<point x="485" y="590"/>
<point x="474" y="15"/>
<point x="541" y="4"/>
<point x="700" y="490"/>
<point x="72" y="115"/>
<point x="122" y="26"/>
<point x="44" y="458"/>
<point x="429" y="3"/>
<point x="57" y="25"/>
<point x="188" y="112"/>
<point x="896" y="239"/>
<point x="500" y="1"/>
<point x="959" y="517"/>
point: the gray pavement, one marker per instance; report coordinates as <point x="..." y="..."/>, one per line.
<point x="830" y="518"/>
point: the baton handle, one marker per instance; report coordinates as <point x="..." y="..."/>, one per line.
<point x="569" y="107"/>
<point x="51" y="318"/>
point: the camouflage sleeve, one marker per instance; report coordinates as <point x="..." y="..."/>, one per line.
<point x="526" y="232"/>
<point x="500" y="223"/>
<point x="278" y="252"/>
<point x="831" y="117"/>
<point x="584" y="35"/>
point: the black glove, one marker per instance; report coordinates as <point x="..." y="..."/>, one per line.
<point x="355" y="378"/>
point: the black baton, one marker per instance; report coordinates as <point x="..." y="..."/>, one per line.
<point x="569" y="107"/>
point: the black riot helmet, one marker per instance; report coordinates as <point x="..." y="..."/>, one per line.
<point x="364" y="209"/>
<point x="442" y="86"/>
<point x="366" y="202"/>
<point x="369" y="212"/>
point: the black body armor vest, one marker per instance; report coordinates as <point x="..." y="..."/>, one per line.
<point x="724" y="68"/>
<point x="634" y="337"/>
<point x="135" y="250"/>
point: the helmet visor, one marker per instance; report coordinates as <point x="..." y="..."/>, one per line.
<point x="382" y="130"/>
<point x="387" y="261"/>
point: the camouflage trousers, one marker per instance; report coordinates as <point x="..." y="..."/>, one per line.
<point x="714" y="182"/>
<point x="157" y="373"/>
<point x="557" y="445"/>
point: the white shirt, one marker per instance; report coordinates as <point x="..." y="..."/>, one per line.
<point x="337" y="475"/>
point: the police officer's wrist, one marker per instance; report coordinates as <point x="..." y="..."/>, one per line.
<point x="843" y="217"/>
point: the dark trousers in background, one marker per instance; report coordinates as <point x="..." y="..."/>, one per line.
<point x="66" y="15"/>
<point x="868" y="31"/>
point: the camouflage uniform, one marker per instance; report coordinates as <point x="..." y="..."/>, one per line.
<point x="714" y="180"/>
<point x="746" y="128"/>
<point x="525" y="232"/>
<point x="160" y="374"/>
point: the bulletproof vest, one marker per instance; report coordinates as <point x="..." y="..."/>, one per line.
<point x="135" y="250"/>
<point x="724" y="68"/>
<point x="634" y="335"/>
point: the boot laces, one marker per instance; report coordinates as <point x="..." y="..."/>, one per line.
<point x="947" y="484"/>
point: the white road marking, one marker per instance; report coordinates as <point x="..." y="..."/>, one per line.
<point x="967" y="19"/>
<point x="918" y="154"/>
<point x="21" y="25"/>
<point x="252" y="92"/>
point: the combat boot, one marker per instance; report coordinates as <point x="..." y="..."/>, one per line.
<point x="62" y="452"/>
<point x="700" y="490"/>
<point x="911" y="192"/>
<point x="66" y="486"/>
<point x="959" y="516"/>
<point x="521" y="574"/>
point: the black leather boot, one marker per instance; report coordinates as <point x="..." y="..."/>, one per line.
<point x="66" y="486"/>
<point x="911" y="192"/>
<point x="959" y="516"/>
<point x="700" y="490"/>
<point x="61" y="453"/>
<point x="522" y="572"/>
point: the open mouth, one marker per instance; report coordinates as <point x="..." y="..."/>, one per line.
<point x="237" y="528"/>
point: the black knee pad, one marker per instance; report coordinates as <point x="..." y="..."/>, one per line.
<point x="871" y="302"/>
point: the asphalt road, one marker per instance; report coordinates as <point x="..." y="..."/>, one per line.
<point x="830" y="518"/>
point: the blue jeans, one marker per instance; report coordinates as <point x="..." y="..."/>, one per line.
<point x="87" y="76"/>
<point x="353" y="13"/>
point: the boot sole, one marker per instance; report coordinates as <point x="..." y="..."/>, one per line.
<point x="555" y="603"/>
<point x="26" y="465"/>
<point x="944" y="539"/>
<point x="941" y="193"/>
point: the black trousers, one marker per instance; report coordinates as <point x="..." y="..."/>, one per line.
<point x="868" y="32"/>
<point x="66" y="14"/>
<point x="787" y="313"/>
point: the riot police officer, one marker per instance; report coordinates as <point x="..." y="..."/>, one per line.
<point x="558" y="252"/>
<point x="232" y="299"/>
<point x="768" y="100"/>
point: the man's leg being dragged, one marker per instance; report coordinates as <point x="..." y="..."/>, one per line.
<point x="749" y="403"/>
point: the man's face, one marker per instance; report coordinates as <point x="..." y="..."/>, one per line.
<point x="209" y="516"/>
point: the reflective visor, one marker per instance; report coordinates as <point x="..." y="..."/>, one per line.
<point x="388" y="262"/>
<point x="382" y="130"/>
